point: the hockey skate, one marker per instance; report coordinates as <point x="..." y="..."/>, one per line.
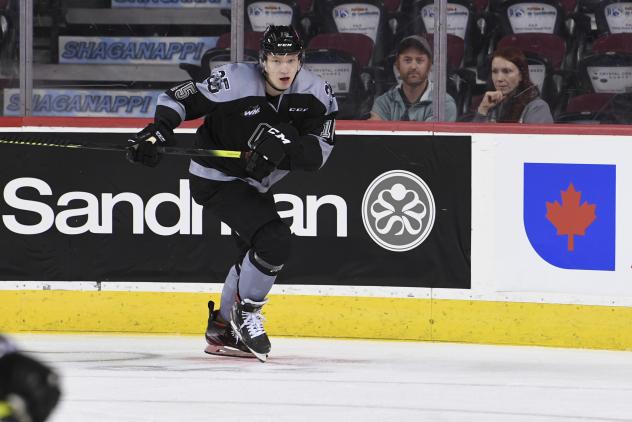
<point x="247" y="323"/>
<point x="220" y="339"/>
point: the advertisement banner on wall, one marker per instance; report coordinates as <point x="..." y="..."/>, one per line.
<point x="385" y="210"/>
<point x="337" y="74"/>
<point x="85" y="103"/>
<point x="133" y="50"/>
<point x="532" y="17"/>
<point x="170" y="3"/>
<point x="560" y="214"/>
<point x="357" y="18"/>
<point x="458" y="17"/>
<point x="263" y="14"/>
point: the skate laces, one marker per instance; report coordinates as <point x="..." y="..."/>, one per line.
<point x="253" y="321"/>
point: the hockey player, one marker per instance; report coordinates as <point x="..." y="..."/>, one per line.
<point x="283" y="116"/>
<point x="29" y="390"/>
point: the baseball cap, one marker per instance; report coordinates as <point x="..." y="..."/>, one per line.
<point x="415" y="41"/>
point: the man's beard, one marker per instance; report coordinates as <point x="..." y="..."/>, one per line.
<point x="415" y="82"/>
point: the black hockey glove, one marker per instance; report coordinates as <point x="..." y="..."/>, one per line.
<point x="29" y="390"/>
<point x="144" y="145"/>
<point x="269" y="145"/>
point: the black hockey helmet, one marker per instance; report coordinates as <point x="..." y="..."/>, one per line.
<point x="280" y="40"/>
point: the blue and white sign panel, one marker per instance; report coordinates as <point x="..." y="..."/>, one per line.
<point x="619" y="17"/>
<point x="265" y="13"/>
<point x="560" y="210"/>
<point x="532" y="17"/>
<point x="458" y="16"/>
<point x="170" y="3"/>
<point x="358" y="19"/>
<point x="134" y="50"/>
<point x="84" y="103"/>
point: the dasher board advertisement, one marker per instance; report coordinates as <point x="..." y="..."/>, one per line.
<point x="384" y="210"/>
<point x="561" y="211"/>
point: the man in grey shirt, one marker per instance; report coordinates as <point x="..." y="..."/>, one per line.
<point x="412" y="99"/>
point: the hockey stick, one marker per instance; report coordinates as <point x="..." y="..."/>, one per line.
<point x="190" y="152"/>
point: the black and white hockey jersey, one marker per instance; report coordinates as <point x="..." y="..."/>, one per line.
<point x="233" y="101"/>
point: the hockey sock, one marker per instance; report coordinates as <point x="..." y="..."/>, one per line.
<point x="254" y="284"/>
<point x="229" y="291"/>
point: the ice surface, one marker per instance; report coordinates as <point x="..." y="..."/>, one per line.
<point x="169" y="378"/>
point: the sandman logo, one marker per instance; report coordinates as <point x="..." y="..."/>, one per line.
<point x="398" y="210"/>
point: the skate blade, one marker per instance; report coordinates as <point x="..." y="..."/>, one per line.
<point x="227" y="351"/>
<point x="263" y="357"/>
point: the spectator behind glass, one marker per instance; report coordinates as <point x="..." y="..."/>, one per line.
<point x="516" y="99"/>
<point x="412" y="99"/>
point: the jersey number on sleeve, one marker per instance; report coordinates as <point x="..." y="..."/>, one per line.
<point x="328" y="130"/>
<point x="184" y="90"/>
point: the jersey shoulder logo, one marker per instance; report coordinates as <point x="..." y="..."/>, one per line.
<point x="329" y="90"/>
<point x="218" y="81"/>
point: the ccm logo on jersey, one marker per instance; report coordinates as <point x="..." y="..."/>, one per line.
<point x="299" y="109"/>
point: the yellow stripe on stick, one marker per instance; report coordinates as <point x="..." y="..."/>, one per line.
<point x="38" y="143"/>
<point x="5" y="409"/>
<point x="226" y="153"/>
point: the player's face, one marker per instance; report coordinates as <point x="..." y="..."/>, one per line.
<point x="505" y="75"/>
<point x="281" y="71"/>
<point x="413" y="66"/>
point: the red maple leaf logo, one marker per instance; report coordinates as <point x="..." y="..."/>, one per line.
<point x="570" y="218"/>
